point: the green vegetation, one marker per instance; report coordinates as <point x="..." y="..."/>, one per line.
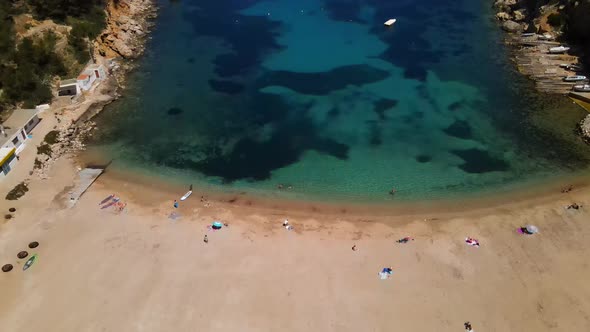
<point x="28" y="65"/>
<point x="51" y="137"/>
<point x="44" y="149"/>
<point x="577" y="21"/>
<point x="17" y="192"/>
<point x="556" y="20"/>
<point x="38" y="164"/>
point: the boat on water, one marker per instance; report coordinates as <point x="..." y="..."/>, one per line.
<point x="558" y="49"/>
<point x="528" y="34"/>
<point x="390" y="22"/>
<point x="574" y="78"/>
<point x="582" y="88"/>
<point x="574" y="67"/>
<point x="545" y="36"/>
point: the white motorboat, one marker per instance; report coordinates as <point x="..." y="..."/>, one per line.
<point x="528" y="34"/>
<point x="574" y="78"/>
<point x="574" y="67"/>
<point x="558" y="49"/>
<point x="582" y="87"/>
<point x="545" y="36"/>
<point x="390" y="22"/>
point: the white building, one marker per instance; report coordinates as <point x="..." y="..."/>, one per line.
<point x="91" y="74"/>
<point x="14" y="133"/>
<point x="68" y="88"/>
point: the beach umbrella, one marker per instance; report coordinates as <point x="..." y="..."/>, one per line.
<point x="532" y="229"/>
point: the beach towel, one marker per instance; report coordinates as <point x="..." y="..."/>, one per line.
<point x="472" y="242"/>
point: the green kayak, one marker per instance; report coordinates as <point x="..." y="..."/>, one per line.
<point x="29" y="262"/>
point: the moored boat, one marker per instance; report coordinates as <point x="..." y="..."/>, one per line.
<point x="574" y="78"/>
<point x="545" y="36"/>
<point x="574" y="67"/>
<point x="558" y="49"/>
<point x="582" y="88"/>
<point x="390" y="22"/>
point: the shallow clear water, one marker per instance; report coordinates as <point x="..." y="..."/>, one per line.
<point x="319" y="95"/>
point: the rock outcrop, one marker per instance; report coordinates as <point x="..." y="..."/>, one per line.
<point x="511" y="26"/>
<point x="503" y="16"/>
<point x="584" y="129"/>
<point x="128" y="22"/>
<point x="519" y="15"/>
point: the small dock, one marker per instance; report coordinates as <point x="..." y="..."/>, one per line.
<point x="581" y="98"/>
<point x="534" y="60"/>
<point x="86" y="178"/>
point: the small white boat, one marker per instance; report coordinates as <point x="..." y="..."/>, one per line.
<point x="558" y="49"/>
<point x="563" y="65"/>
<point x="545" y="36"/>
<point x="188" y="193"/>
<point x="390" y="22"/>
<point x="574" y="78"/>
<point x="528" y="34"/>
<point x="574" y="67"/>
<point x="582" y="87"/>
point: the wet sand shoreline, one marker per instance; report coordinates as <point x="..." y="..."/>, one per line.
<point x="477" y="204"/>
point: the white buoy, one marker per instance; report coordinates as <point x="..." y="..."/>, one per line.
<point x="390" y="22"/>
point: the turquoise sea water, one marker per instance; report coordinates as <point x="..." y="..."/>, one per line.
<point x="319" y="95"/>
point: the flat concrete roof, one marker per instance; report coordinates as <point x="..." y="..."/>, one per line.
<point x="71" y="81"/>
<point x="17" y="120"/>
<point x="94" y="66"/>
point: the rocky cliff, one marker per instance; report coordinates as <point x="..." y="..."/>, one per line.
<point x="128" y="22"/>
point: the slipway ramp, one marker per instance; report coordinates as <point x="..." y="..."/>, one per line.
<point x="86" y="178"/>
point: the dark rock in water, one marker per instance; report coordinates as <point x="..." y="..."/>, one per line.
<point x="345" y="11"/>
<point x="383" y="105"/>
<point x="174" y="111"/>
<point x="228" y="87"/>
<point x="423" y="158"/>
<point x="334" y="112"/>
<point x="324" y="82"/>
<point x="374" y="133"/>
<point x="459" y="129"/>
<point x="480" y="161"/>
<point x="455" y="106"/>
<point x="190" y="60"/>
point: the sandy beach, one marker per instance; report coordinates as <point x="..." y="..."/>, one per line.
<point x="139" y="270"/>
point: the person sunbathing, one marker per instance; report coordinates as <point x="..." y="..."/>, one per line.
<point x="405" y="240"/>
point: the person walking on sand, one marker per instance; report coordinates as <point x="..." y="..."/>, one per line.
<point x="354" y="247"/>
<point x="206" y="239"/>
<point x="175" y="204"/>
<point x="468" y="327"/>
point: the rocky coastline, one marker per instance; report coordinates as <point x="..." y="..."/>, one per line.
<point x="123" y="40"/>
<point x="530" y="37"/>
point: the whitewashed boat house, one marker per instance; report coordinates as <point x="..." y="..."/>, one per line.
<point x="14" y="133"/>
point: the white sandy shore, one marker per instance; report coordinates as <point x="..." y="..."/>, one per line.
<point x="141" y="271"/>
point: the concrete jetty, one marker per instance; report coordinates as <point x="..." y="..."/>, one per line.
<point x="86" y="177"/>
